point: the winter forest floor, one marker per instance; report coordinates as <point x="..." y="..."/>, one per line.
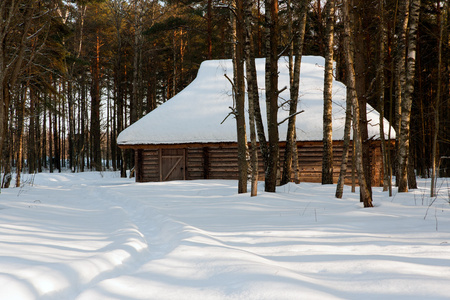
<point x="98" y="236"/>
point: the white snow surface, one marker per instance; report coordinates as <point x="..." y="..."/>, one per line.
<point x="95" y="235"/>
<point x="195" y="114"/>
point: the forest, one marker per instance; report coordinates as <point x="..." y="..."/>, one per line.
<point x="74" y="74"/>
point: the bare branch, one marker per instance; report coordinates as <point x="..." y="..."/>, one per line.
<point x="287" y="118"/>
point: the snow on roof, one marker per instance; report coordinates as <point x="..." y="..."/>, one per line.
<point x="195" y="114"/>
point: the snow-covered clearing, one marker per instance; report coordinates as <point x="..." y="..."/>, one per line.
<point x="98" y="236"/>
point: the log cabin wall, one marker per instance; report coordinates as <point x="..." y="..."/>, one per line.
<point x="147" y="165"/>
<point x="211" y="161"/>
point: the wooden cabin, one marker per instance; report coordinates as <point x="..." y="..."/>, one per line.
<point x="219" y="161"/>
<point x="190" y="136"/>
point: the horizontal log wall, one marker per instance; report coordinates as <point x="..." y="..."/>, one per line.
<point x="220" y="162"/>
<point x="147" y="165"/>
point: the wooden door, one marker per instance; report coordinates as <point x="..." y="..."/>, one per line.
<point x="173" y="165"/>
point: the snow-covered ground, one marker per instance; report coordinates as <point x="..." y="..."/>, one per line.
<point x="99" y="236"/>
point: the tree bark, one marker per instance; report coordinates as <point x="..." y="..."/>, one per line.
<point x="70" y="102"/>
<point x="14" y="14"/>
<point x="404" y="138"/>
<point x="400" y="54"/>
<point x="33" y="141"/>
<point x="20" y="128"/>
<point x="239" y="94"/>
<point x="252" y="92"/>
<point x="436" y="108"/>
<point x="361" y="16"/>
<point x="95" y="107"/>
<point x="272" y="92"/>
<point x="351" y="85"/>
<point x="346" y="146"/>
<point x="294" y="75"/>
<point x="381" y="98"/>
<point x="327" y="159"/>
<point x="136" y="97"/>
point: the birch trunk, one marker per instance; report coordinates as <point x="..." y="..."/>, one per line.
<point x="252" y="92"/>
<point x="404" y="138"/>
<point x="327" y="159"/>
<point x="400" y="53"/>
<point x="239" y="94"/>
<point x="346" y="146"/>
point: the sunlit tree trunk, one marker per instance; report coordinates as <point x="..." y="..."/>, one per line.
<point x="327" y="159"/>
<point x="239" y="93"/>
<point x="404" y="138"/>
<point x="95" y="107"/>
<point x="136" y="95"/>
<point x="346" y="146"/>
<point x="399" y="58"/>
<point x="252" y="92"/>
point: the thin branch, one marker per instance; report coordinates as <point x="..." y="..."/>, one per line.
<point x="287" y="118"/>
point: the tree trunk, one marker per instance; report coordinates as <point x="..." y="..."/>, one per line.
<point x="56" y="144"/>
<point x="44" y="136"/>
<point x="20" y="124"/>
<point x="135" y="97"/>
<point x="436" y="109"/>
<point x="50" y="142"/>
<point x="6" y="155"/>
<point x="362" y="46"/>
<point x="351" y="85"/>
<point x="404" y="138"/>
<point x="252" y="91"/>
<point x="346" y="146"/>
<point x="71" y="125"/>
<point x="18" y="16"/>
<point x="294" y="75"/>
<point x="327" y="159"/>
<point x="239" y="94"/>
<point x="32" y="139"/>
<point x="95" y="108"/>
<point x="272" y="92"/>
<point x="412" y="183"/>
<point x="401" y="30"/>
<point x="381" y="99"/>
<point x="39" y="143"/>
<point x="209" y="28"/>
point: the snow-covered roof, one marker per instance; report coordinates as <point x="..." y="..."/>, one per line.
<point x="195" y="114"/>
